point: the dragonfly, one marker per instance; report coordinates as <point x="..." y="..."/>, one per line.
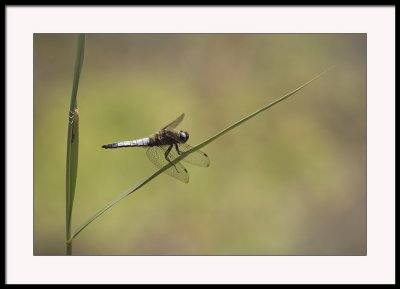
<point x="165" y="146"/>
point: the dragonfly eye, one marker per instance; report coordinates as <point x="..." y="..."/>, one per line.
<point x="183" y="136"/>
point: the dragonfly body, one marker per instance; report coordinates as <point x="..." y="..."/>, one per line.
<point x="166" y="145"/>
<point x="164" y="137"/>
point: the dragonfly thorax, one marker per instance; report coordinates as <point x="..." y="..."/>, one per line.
<point x="168" y="137"/>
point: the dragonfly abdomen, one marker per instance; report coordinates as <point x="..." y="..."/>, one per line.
<point x="130" y="143"/>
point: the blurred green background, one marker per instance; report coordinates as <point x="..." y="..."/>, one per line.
<point x="291" y="181"/>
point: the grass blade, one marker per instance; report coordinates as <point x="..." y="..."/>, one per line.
<point x="243" y="120"/>
<point x="184" y="155"/>
<point x="73" y="140"/>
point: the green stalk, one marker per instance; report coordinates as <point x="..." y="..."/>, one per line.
<point x="73" y="140"/>
<point x="184" y="155"/>
<point x="243" y="120"/>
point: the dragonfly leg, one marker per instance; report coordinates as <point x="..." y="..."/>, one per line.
<point x="167" y="158"/>
<point x="177" y="149"/>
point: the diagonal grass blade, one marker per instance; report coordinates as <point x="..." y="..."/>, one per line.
<point x="185" y="154"/>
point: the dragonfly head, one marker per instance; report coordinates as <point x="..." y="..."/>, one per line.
<point x="183" y="136"/>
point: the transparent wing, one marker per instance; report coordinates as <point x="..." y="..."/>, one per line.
<point x="156" y="155"/>
<point x="175" y="123"/>
<point x="197" y="158"/>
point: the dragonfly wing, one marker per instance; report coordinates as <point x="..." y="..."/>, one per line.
<point x="156" y="155"/>
<point x="197" y="158"/>
<point x="175" y="123"/>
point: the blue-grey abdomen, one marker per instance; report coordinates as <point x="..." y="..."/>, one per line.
<point x="130" y="143"/>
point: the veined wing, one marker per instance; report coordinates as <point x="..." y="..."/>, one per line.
<point x="175" y="123"/>
<point x="197" y="158"/>
<point x="156" y="155"/>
